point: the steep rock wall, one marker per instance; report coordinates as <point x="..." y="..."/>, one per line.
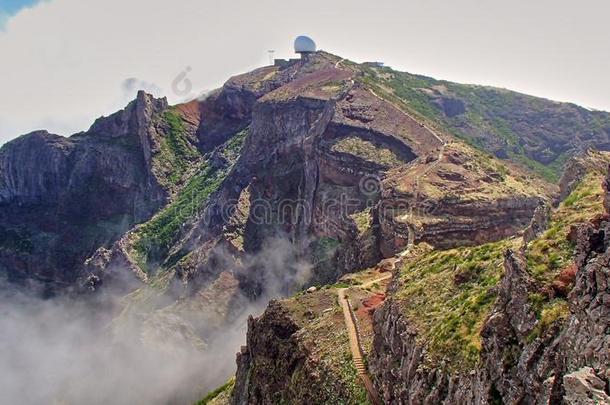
<point x="524" y="358"/>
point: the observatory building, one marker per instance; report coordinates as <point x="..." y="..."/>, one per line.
<point x="304" y="45"/>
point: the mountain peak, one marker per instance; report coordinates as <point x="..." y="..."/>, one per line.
<point x="314" y="172"/>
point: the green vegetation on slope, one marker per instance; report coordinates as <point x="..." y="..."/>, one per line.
<point x="494" y="118"/>
<point x="487" y="111"/>
<point x="367" y="151"/>
<point x="447" y="296"/>
<point x="323" y="249"/>
<point x="409" y="88"/>
<point x="224" y="390"/>
<point x="406" y="87"/>
<point x="363" y="220"/>
<point x="155" y="238"/>
<point x="349" y="375"/>
<point x="552" y="252"/>
<point x="232" y="148"/>
<point x="407" y="99"/>
<point x="323" y="333"/>
<point x="158" y="235"/>
<point x="549" y="254"/>
<point x="176" y="152"/>
<point x="548" y="313"/>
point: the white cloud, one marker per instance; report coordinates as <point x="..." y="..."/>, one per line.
<point x="3" y="19"/>
<point x="64" y="62"/>
<point x="132" y="84"/>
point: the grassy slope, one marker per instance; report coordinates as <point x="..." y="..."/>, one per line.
<point x="327" y="339"/>
<point x="547" y="255"/>
<point x="447" y="295"/>
<point x="157" y="236"/>
<point x="448" y="313"/>
<point x="367" y="151"/>
<point x="154" y="239"/>
<point x="552" y="252"/>
<point x="219" y="395"/>
<point x="490" y="111"/>
<point x="176" y="153"/>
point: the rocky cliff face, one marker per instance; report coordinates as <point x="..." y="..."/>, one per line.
<point x="318" y="142"/>
<point x="286" y="355"/>
<point x="492" y="323"/>
<point x="454" y="198"/>
<point x="54" y="192"/>
<point x="317" y="127"/>
<point x="543" y="340"/>
<point x="298" y="174"/>
<point x="307" y="148"/>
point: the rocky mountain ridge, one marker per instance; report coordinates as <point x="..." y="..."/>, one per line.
<point x="492" y="323"/>
<point x="296" y="175"/>
<point x="54" y="192"/>
<point x="370" y="115"/>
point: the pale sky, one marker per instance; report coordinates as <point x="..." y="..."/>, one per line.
<point x="64" y="63"/>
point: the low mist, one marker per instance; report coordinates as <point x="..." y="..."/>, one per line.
<point x="61" y="350"/>
<point x="64" y="350"/>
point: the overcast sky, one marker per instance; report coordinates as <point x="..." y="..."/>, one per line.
<point x="65" y="62"/>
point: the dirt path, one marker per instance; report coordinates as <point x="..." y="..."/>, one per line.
<point x="441" y="153"/>
<point x="433" y="132"/>
<point x="348" y="314"/>
<point x="354" y="338"/>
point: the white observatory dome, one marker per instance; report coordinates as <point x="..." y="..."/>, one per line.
<point x="304" y="44"/>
